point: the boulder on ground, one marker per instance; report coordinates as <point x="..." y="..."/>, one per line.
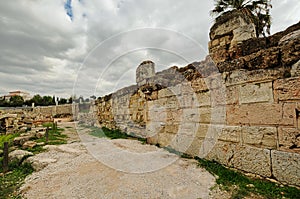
<point x="21" y="140"/>
<point x="19" y="155"/>
<point x="29" y="144"/>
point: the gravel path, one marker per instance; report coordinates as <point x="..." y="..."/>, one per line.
<point x="90" y="167"/>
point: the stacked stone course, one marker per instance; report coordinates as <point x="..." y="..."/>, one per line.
<point x="242" y="111"/>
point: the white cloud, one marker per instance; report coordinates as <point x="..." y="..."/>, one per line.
<point x="42" y="49"/>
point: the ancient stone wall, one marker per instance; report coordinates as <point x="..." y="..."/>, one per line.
<point x="246" y="118"/>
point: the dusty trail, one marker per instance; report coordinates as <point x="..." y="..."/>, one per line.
<point x="115" y="171"/>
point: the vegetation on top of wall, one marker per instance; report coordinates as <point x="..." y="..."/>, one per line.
<point x="257" y="11"/>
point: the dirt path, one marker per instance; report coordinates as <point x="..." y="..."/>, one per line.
<point x="90" y="167"/>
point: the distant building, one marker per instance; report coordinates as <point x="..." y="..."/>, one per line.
<point x="25" y="95"/>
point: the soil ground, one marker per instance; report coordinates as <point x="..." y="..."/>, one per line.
<point x="90" y="167"/>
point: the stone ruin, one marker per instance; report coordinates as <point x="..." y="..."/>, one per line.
<point x="239" y="107"/>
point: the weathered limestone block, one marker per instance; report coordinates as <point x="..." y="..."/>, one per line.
<point x="166" y="139"/>
<point x="259" y="114"/>
<point x="220" y="151"/>
<point x="232" y="95"/>
<point x="285" y="167"/>
<point x="190" y="115"/>
<point x="199" y="85"/>
<point x="295" y="71"/>
<point x="242" y="33"/>
<point x="166" y="92"/>
<point x="205" y="115"/>
<point x="259" y="92"/>
<point x="194" y="147"/>
<point x="290" y="47"/>
<point x="230" y="134"/>
<point x="289" y="139"/>
<point x="244" y="76"/>
<point x="183" y="142"/>
<point x="203" y="98"/>
<point x="287" y="89"/>
<point x="145" y="70"/>
<point x="187" y="100"/>
<point x="230" y="22"/>
<point x="264" y="137"/>
<point x="253" y="160"/>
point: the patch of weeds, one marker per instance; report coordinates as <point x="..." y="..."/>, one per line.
<point x="54" y="138"/>
<point x="228" y="178"/>
<point x="11" y="181"/>
<point x="113" y="134"/>
<point x="7" y="138"/>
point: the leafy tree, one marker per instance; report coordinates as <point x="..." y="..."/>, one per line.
<point x="47" y="100"/>
<point x="16" y="101"/>
<point x="62" y="101"/>
<point x="258" y="12"/>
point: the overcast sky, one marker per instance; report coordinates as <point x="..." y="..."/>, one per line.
<point x="94" y="47"/>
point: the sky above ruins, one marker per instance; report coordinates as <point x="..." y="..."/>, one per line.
<point x="93" y="47"/>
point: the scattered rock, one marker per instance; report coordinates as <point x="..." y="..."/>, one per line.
<point x="40" y="134"/>
<point x="18" y="155"/>
<point x="21" y="140"/>
<point x="29" y="144"/>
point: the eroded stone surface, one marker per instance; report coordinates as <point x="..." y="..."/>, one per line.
<point x="285" y="167"/>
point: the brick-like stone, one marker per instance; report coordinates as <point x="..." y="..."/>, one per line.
<point x="230" y="134"/>
<point x="232" y="95"/>
<point x="258" y="114"/>
<point x="259" y="92"/>
<point x="264" y="137"/>
<point x="255" y="76"/>
<point x="199" y="85"/>
<point x="289" y="139"/>
<point x="287" y="89"/>
<point x="203" y="98"/>
<point x="253" y="160"/>
<point x="166" y="139"/>
<point x="285" y="167"/>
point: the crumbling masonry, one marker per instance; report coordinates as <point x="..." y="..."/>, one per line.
<point x="240" y="106"/>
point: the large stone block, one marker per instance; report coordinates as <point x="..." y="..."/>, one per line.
<point x="264" y="137"/>
<point x="243" y="76"/>
<point x="246" y="158"/>
<point x="199" y="85"/>
<point x="289" y="139"/>
<point x="145" y="70"/>
<point x="253" y="160"/>
<point x="287" y="89"/>
<point x="232" y="95"/>
<point x="230" y="134"/>
<point x="166" y="139"/>
<point x="203" y="98"/>
<point x="259" y="92"/>
<point x="258" y="114"/>
<point x="285" y="167"/>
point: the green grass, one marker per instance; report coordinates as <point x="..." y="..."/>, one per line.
<point x="12" y="180"/>
<point x="227" y="178"/>
<point x="113" y="134"/>
<point x="7" y="138"/>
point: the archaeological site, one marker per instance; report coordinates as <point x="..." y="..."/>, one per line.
<point x="239" y="107"/>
